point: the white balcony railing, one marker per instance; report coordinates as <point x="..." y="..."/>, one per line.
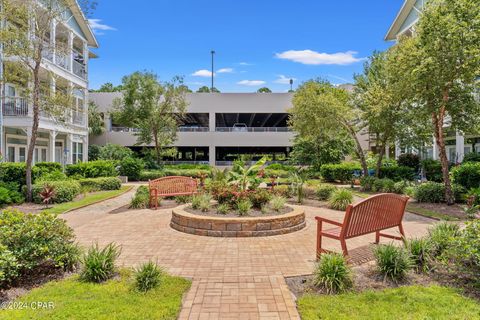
<point x="193" y="129"/>
<point x="78" y="118"/>
<point x="62" y="61"/>
<point x="14" y="107"/>
<point x="79" y="69"/>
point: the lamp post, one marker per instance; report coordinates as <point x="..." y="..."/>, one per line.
<point x="213" y="54"/>
<point x="291" y="85"/>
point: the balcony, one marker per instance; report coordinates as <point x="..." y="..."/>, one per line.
<point x="14" y="107"/>
<point x="79" y="70"/>
<point x="253" y="129"/>
<point x="78" y="118"/>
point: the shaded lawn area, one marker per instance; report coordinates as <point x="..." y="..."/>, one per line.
<point x="87" y="200"/>
<point x="411" y="302"/>
<point x="417" y="208"/>
<point x="114" y="299"/>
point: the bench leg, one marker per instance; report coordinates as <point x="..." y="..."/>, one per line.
<point x="400" y="228"/>
<point x="344" y="247"/>
<point x="319" y="239"/>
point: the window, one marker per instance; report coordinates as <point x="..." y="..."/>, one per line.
<point x="77" y="152"/>
<point x="11" y="154"/>
<point x="40" y="155"/>
<point x="22" y="152"/>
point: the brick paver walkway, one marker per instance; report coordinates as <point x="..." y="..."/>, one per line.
<point x="233" y="278"/>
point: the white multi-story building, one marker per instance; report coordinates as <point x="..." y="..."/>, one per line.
<point x="66" y="141"/>
<point x="457" y="145"/>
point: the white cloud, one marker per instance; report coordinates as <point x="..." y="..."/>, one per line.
<point x="202" y="73"/>
<point x="97" y="25"/>
<point x="244" y="63"/>
<point x="225" y="70"/>
<point x="318" y="58"/>
<point x="284" y="80"/>
<point x="251" y="83"/>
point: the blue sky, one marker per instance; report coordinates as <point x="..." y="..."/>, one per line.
<point x="258" y="42"/>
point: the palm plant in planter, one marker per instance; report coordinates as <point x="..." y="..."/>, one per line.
<point x="298" y="177"/>
<point x="47" y="194"/>
<point x="246" y="177"/>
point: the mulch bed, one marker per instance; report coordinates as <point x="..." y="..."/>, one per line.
<point x="454" y="210"/>
<point x="35" y="278"/>
<point x="252" y="213"/>
<point x="166" y="204"/>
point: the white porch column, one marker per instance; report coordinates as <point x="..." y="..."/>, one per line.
<point x="435" y="149"/>
<point x="85" y="108"/>
<point x="51" y="146"/>
<point x="212" y="155"/>
<point x="387" y="152"/>
<point x="459" y="146"/>
<point x="53" y="40"/>
<point x="85" y="149"/>
<point x="85" y="58"/>
<point x="397" y="150"/>
<point x="69" y="149"/>
<point x="211" y="121"/>
<point x="73" y="107"/>
<point x="70" y="51"/>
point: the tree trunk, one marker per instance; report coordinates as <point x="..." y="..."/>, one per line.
<point x="33" y="138"/>
<point x="381" y="153"/>
<point x="358" y="149"/>
<point x="157" y="148"/>
<point x="438" y="125"/>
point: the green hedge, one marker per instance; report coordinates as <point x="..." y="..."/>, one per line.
<point x="151" y="175"/>
<point x="28" y="241"/>
<point x="194" y="173"/>
<point x="48" y="167"/>
<point x="397" y="173"/>
<point x="65" y="191"/>
<point x="342" y="172"/>
<point x="100" y="184"/>
<point x="93" y="169"/>
<point x="434" y="192"/>
<point x="132" y="168"/>
<point x="16" y="171"/>
<point x="467" y="175"/>
<point x="187" y="166"/>
<point x="433" y="170"/>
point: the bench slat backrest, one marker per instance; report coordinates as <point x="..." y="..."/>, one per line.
<point x="174" y="185"/>
<point x="376" y="213"/>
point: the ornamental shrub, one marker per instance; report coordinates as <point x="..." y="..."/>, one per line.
<point x="244" y="206"/>
<point x="132" y="168"/>
<point x="333" y="273"/>
<point x="100" y="184"/>
<point x="433" y="170"/>
<point x="282" y="190"/>
<point x="9" y="194"/>
<point x="93" y="169"/>
<point x="383" y="185"/>
<point x="114" y="152"/>
<point x="421" y="253"/>
<point x="151" y="175"/>
<point x="467" y="175"/>
<point x="324" y="191"/>
<point x="259" y="198"/>
<point x="148" y="276"/>
<point x="397" y="173"/>
<point x="342" y="172"/>
<point x="52" y="176"/>
<point x="99" y="264"/>
<point x="9" y="266"/>
<point x="441" y="237"/>
<point x="65" y="191"/>
<point x="367" y="183"/>
<point x="392" y="262"/>
<point x="277" y="203"/>
<point x="471" y="157"/>
<point x="35" y="240"/>
<point x="432" y="192"/>
<point x="141" y="199"/>
<point x="410" y="160"/>
<point x="194" y="173"/>
<point x="48" y="167"/>
<point x="340" y="199"/>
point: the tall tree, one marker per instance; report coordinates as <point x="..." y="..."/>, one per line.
<point x="377" y="97"/>
<point x="96" y="124"/>
<point x="108" y="87"/>
<point x="322" y="110"/>
<point x="437" y="71"/>
<point x="264" y="90"/>
<point x="25" y="37"/>
<point x="206" y="89"/>
<point x="151" y="107"/>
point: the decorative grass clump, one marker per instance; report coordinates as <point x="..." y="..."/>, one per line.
<point x="148" y="276"/>
<point x="201" y="202"/>
<point x="223" y="208"/>
<point x="324" y="192"/>
<point x="277" y="203"/>
<point x="99" y="264"/>
<point x="333" y="273"/>
<point x="340" y="199"/>
<point x="441" y="236"/>
<point x="244" y="206"/>
<point x="393" y="262"/>
<point x="421" y="253"/>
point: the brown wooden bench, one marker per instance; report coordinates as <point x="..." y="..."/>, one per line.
<point x="169" y="187"/>
<point x="377" y="213"/>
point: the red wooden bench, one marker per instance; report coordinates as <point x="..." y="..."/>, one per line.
<point x="169" y="187"/>
<point x="377" y="213"/>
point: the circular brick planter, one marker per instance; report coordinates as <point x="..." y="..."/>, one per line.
<point x="237" y="226"/>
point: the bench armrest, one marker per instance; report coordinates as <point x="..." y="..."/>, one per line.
<point x="321" y="219"/>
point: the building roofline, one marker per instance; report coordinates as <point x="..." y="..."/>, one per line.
<point x="83" y="23"/>
<point x="399" y="20"/>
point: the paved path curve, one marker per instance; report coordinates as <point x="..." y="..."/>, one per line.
<point x="233" y="278"/>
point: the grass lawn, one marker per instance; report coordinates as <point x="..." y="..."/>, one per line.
<point x="412" y="302"/>
<point x="88" y="200"/>
<point x="114" y="299"/>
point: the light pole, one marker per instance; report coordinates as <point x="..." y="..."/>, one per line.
<point x="213" y="54"/>
<point x="291" y="84"/>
